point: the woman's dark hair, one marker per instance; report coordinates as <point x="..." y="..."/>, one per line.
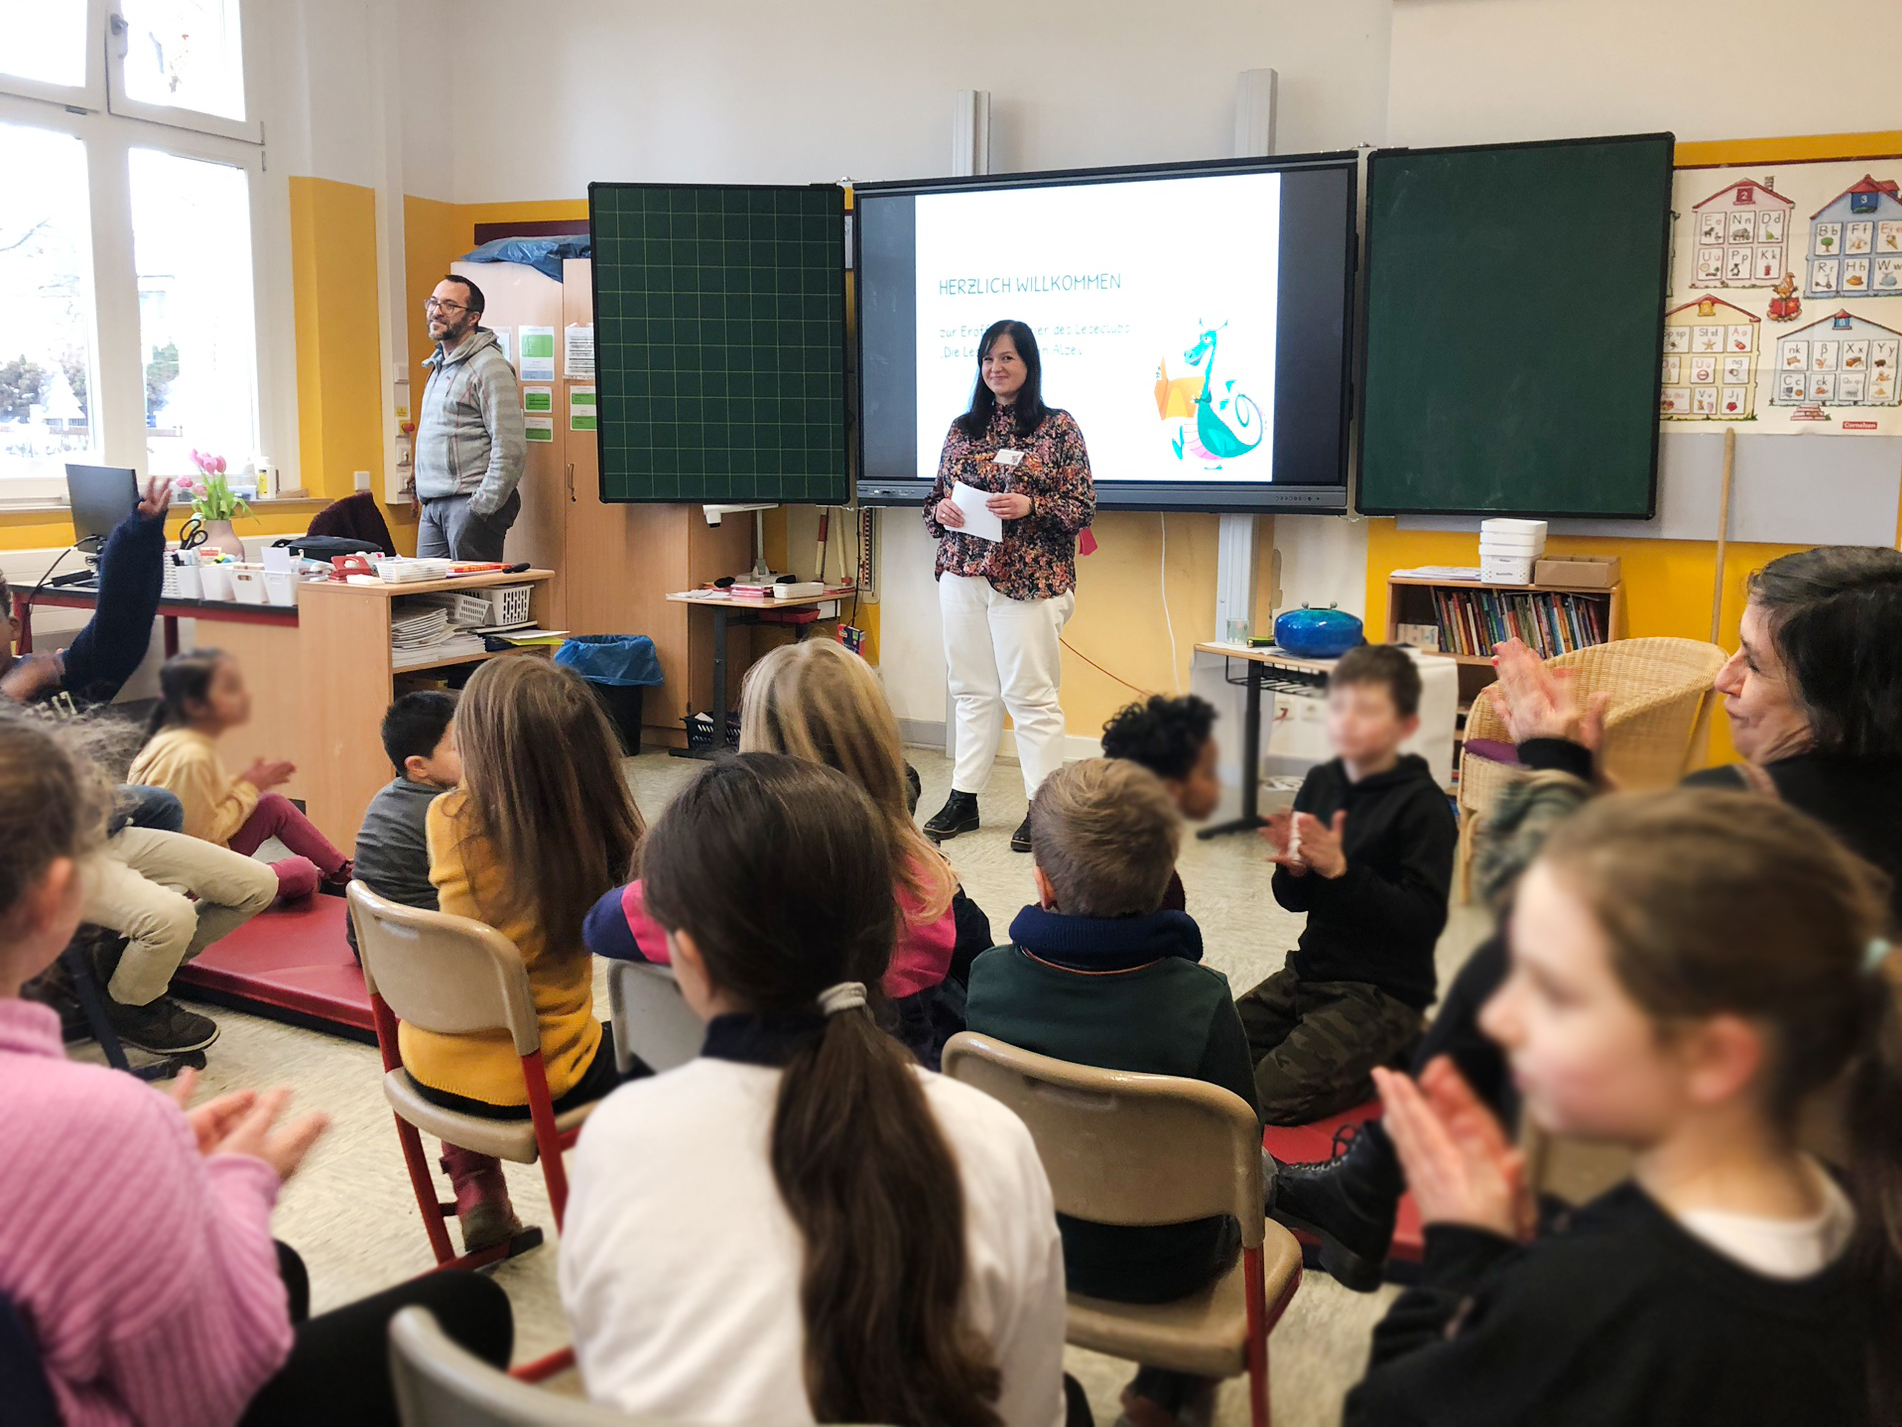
<point x="1164" y="735"/>
<point x="1835" y="614"/>
<point x="1719" y="902"/>
<point x="541" y="775"/>
<point x="781" y="871"/>
<point x="1028" y="410"/>
<point x="184" y="680"/>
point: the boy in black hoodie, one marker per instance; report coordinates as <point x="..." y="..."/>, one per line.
<point x="1099" y="973"/>
<point x="1367" y="853"/>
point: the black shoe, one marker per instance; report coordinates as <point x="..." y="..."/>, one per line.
<point x="164" y="1027"/>
<point x="1020" y="840"/>
<point x="959" y="814"/>
<point x="1349" y="1203"/>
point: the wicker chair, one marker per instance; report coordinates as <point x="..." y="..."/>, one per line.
<point x="1655" y="728"/>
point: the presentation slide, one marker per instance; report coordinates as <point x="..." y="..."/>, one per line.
<point x="1193" y="319"/>
<point x="1153" y="303"/>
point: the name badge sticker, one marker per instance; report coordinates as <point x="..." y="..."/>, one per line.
<point x="1009" y="458"/>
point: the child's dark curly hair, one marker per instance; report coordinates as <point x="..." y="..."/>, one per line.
<point x="1165" y="736"/>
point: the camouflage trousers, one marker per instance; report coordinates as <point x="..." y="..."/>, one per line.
<point x="1315" y="1042"/>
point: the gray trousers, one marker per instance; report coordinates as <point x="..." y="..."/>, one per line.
<point x="449" y="530"/>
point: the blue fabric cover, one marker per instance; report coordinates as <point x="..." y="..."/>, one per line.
<point x="542" y="254"/>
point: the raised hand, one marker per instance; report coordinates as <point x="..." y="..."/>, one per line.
<point x="1459" y="1166"/>
<point x="268" y="773"/>
<point x="1539" y="701"/>
<point x="157" y="499"/>
<point x="1323" y="845"/>
<point x="1283" y="849"/>
<point x="214" y="1120"/>
<point x="257" y="1135"/>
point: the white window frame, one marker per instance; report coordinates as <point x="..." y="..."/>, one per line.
<point x="116" y="400"/>
<point x="89" y="94"/>
<point x="249" y="129"/>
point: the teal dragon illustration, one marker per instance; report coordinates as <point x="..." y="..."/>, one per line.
<point x="1213" y="439"/>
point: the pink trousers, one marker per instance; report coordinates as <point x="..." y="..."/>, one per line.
<point x="312" y="859"/>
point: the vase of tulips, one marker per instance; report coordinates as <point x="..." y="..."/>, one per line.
<point x="214" y="505"/>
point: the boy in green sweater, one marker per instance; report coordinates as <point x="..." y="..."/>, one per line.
<point x="1098" y="973"/>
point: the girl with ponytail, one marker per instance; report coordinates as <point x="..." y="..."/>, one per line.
<point x="1693" y="973"/>
<point x="802" y="1222"/>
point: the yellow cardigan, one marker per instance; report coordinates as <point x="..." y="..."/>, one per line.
<point x="186" y="763"/>
<point x="485" y="1067"/>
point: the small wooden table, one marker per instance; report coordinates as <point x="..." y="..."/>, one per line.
<point x="727" y="610"/>
<point x="1262" y="666"/>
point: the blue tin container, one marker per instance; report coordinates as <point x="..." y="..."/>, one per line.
<point x="1310" y="633"/>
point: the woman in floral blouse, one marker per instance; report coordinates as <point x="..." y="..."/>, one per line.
<point x="1005" y="602"/>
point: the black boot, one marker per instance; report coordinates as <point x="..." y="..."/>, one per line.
<point x="959" y="814"/>
<point x="1020" y="840"/>
<point x="1348" y="1202"/>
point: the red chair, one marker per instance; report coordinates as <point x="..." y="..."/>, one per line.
<point x="455" y="976"/>
<point x="1123" y="1148"/>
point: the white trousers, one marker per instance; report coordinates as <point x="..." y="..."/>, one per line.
<point x="136" y="887"/>
<point x="1003" y="654"/>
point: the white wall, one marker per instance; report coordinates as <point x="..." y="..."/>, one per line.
<point x="770" y="91"/>
<point x="1487" y="71"/>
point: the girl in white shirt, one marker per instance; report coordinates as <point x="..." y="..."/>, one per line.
<point x="801" y="1224"/>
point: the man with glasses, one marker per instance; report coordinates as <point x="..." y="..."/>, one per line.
<point x="469" y="442"/>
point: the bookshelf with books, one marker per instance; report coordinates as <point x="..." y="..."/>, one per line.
<point x="1469" y="617"/>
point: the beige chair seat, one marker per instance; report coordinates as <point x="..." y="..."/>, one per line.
<point x="512" y="1140"/>
<point x="1205" y="1333"/>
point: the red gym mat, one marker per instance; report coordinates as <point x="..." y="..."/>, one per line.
<point x="1298" y="1144"/>
<point x="289" y="964"/>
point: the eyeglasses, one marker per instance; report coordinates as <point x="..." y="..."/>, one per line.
<point x="436" y="304"/>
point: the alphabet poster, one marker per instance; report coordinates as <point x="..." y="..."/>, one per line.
<point x="1785" y="306"/>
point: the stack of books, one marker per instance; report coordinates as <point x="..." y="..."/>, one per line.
<point x="1472" y="621"/>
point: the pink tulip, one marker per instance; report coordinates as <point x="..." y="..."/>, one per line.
<point x="218" y="464"/>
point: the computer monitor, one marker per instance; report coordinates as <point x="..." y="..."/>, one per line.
<point x="101" y="497"/>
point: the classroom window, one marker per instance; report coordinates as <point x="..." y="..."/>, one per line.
<point x="183" y="55"/>
<point x="129" y="219"/>
<point x="191" y="239"/>
<point x="46" y="366"/>
<point x="46" y="41"/>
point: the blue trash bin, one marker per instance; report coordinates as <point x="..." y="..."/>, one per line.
<point x="617" y="667"/>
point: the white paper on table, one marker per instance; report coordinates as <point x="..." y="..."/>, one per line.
<point x="978" y="521"/>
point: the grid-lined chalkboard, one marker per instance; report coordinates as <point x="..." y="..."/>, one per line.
<point x="719" y="316"/>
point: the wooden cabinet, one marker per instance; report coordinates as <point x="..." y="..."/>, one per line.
<point x="614" y="564"/>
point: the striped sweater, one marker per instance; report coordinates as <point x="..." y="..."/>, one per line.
<point x="144" y="1270"/>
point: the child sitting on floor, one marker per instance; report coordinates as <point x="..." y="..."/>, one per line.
<point x="1688" y="970"/>
<point x="1367" y="853"/>
<point x="138" y="1247"/>
<point x="541" y="825"/>
<point x="392" y="857"/>
<point x="802" y="1224"/>
<point x="818" y="701"/>
<point x="1099" y="973"/>
<point x="201" y="696"/>
<point x="1175" y="740"/>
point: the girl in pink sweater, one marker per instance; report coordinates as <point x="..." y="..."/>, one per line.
<point x="819" y="702"/>
<point x="137" y="1252"/>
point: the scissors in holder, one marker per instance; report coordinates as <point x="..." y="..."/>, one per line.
<point x="193" y="535"/>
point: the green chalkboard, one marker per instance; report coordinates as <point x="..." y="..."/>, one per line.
<point x="719" y="319"/>
<point x="1515" y="309"/>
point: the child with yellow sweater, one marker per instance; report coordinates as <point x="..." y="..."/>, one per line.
<point x="541" y="826"/>
<point x="201" y="695"/>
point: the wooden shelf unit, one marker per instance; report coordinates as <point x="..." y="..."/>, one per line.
<point x="1410" y="601"/>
